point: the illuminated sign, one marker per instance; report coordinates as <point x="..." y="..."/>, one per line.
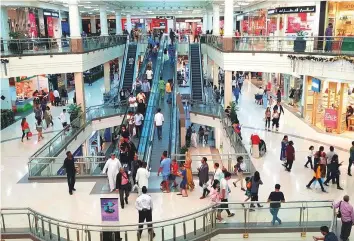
<point x="290" y="10"/>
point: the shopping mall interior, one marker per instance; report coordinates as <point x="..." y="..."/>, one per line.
<point x="183" y="94"/>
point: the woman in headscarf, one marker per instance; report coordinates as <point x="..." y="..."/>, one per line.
<point x="284" y="144"/>
<point x="188" y="166"/>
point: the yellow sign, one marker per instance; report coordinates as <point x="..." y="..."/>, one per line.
<point x="346" y="6"/>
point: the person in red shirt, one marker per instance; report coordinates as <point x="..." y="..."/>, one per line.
<point x="290" y="156"/>
<point x="25" y="129"/>
<point x="255" y="140"/>
<point x="174" y="172"/>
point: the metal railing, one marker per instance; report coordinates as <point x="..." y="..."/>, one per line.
<point x="339" y="45"/>
<point x="297" y="216"/>
<point x="40" y="46"/>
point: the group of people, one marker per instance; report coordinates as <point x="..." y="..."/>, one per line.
<point x="192" y="138"/>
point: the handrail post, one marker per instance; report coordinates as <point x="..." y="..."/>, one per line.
<point x="36" y="224"/>
<point x="174" y="232"/>
<point x="43" y="231"/>
<point x="162" y="234"/>
<point x="3" y="222"/>
<point x="58" y="232"/>
<point x="67" y="234"/>
<point x="29" y="221"/>
<point x="50" y="229"/>
<point x="184" y="230"/>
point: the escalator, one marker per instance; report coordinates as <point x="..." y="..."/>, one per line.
<point x="129" y="70"/>
<point x="195" y="72"/>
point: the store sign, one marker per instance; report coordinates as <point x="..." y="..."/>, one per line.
<point x="346" y="6"/>
<point x="290" y="10"/>
<point x="109" y="209"/>
<point x="164" y="17"/>
<point x="51" y="14"/>
<point x="316" y="85"/>
<point x="330" y="118"/>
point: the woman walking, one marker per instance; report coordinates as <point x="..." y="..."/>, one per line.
<point x="39" y="128"/>
<point x="316" y="176"/>
<point x="215" y="198"/>
<point x="25" y="129"/>
<point x="335" y="173"/>
<point x="265" y="99"/>
<point x="310" y="156"/>
<point x="188" y="166"/>
<point x="267" y="116"/>
<point x="48" y="117"/>
<point x="124" y="186"/>
<point x="255" y="182"/>
<point x="275" y="120"/>
<point x="183" y="184"/>
<point x="239" y="169"/>
<point x="284" y="144"/>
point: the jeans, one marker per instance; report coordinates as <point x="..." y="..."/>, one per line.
<point x="349" y="166"/>
<point x="71" y="182"/>
<point x="169" y="97"/>
<point x="159" y="131"/>
<point x="309" y="160"/>
<point x="274" y="212"/>
<point x="123" y="191"/>
<point x="328" y="46"/>
<point x="345" y="230"/>
<point x="267" y="123"/>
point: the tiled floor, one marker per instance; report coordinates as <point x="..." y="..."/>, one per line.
<point x="53" y="199"/>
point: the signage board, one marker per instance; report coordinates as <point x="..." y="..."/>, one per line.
<point x="330" y="118"/>
<point x="164" y="17"/>
<point x="109" y="209"/>
<point x="51" y="14"/>
<point x="290" y="10"/>
<point x="316" y="85"/>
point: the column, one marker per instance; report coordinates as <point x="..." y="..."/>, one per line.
<point x="74" y="22"/>
<point x="285" y="24"/>
<point x="103" y="20"/>
<point x="93" y="24"/>
<point x="107" y="77"/>
<point x="228" y="18"/>
<point x="64" y="79"/>
<point x="215" y="75"/>
<point x="6" y="93"/>
<point x="80" y="23"/>
<point x="118" y="23"/>
<point x="80" y="90"/>
<point x="210" y="21"/>
<point x="205" y="23"/>
<point x="277" y="32"/>
<point x="228" y="88"/>
<point x="4" y="26"/>
<point x="216" y="19"/>
<point x="129" y="23"/>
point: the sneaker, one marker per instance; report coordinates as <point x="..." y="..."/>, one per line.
<point x="243" y="189"/>
<point x="349" y="174"/>
<point x="230" y="215"/>
<point x="306" y="166"/>
<point x="308" y="187"/>
<point x="326" y="184"/>
<point x="324" y="190"/>
<point x="202" y="197"/>
<point x="221" y="221"/>
<point x="340" y="188"/>
<point x="234" y="184"/>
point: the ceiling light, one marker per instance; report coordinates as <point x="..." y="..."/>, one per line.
<point x="87" y="7"/>
<point x="242" y="3"/>
<point x="81" y="5"/>
<point x="96" y="9"/>
<point x="82" y="11"/>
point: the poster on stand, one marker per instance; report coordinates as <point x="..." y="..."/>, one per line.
<point x="330" y="118"/>
<point x="109" y="209"/>
<point x="50" y="27"/>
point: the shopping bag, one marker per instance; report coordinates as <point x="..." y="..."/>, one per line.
<point x="134" y="131"/>
<point x="29" y="134"/>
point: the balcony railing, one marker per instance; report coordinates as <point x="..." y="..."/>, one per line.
<point x="42" y="46"/>
<point x="340" y="45"/>
<point x="297" y="217"/>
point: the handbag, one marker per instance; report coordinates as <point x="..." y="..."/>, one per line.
<point x="29" y="134"/>
<point x="339" y="213"/>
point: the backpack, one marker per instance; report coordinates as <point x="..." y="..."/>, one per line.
<point x="249" y="184"/>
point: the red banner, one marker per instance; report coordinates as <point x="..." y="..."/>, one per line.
<point x="50" y="27"/>
<point x="33" y="25"/>
<point x="330" y="118"/>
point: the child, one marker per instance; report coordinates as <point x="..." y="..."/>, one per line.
<point x="270" y="101"/>
<point x="237" y="128"/>
<point x="309" y="157"/>
<point x="275" y="120"/>
<point x="174" y="172"/>
<point x="248" y="190"/>
<point x="215" y="197"/>
<point x="183" y="184"/>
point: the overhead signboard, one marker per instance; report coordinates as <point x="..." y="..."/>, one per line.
<point x="50" y="14"/>
<point x="164" y="17"/>
<point x="290" y="10"/>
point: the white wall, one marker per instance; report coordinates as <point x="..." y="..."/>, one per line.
<point x="5" y="91"/>
<point x="64" y="63"/>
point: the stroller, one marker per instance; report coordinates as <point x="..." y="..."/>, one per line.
<point x="262" y="148"/>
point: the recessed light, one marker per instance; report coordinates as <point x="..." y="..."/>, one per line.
<point x="87" y="7"/>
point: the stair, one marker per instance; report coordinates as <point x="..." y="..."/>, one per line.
<point x="129" y="71"/>
<point x="196" y="75"/>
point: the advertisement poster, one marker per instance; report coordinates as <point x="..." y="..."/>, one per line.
<point x="109" y="209"/>
<point x="41" y="22"/>
<point x="50" y="27"/>
<point x="330" y="118"/>
<point x="33" y="25"/>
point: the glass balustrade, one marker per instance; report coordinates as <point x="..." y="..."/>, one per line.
<point x="297" y="217"/>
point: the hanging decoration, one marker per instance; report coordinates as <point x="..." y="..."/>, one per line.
<point x="322" y="59"/>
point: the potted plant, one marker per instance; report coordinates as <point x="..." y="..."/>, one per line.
<point x="74" y="110"/>
<point x="15" y="44"/>
<point x="300" y="42"/>
<point x="233" y="115"/>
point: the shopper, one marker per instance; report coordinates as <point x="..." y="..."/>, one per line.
<point x="201" y="134"/>
<point x="124" y="186"/>
<point x="112" y="165"/>
<point x="63" y="119"/>
<point x="141" y="107"/>
<point x="224" y="194"/>
<point x="346" y="214"/>
<point x="145" y="88"/>
<point x="159" y="120"/>
<point x="240" y="167"/>
<point x="275" y="198"/>
<point x="236" y="91"/>
<point x="48" y="117"/>
<point x="183" y="185"/>
<point x="38" y="113"/>
<point x="267" y="117"/>
<point x="327" y="235"/>
<point x="142" y="177"/>
<point x="132" y="102"/>
<point x="255" y="182"/>
<point x="215" y="198"/>
<point x="25" y="129"/>
<point x="275" y="120"/>
<point x="316" y="176"/>
<point x="39" y="129"/>
<point x="335" y="172"/>
<point x="69" y="165"/>
<point x="279" y="108"/>
<point x="206" y="134"/>
<point x="168" y="89"/>
<point x="162" y="88"/>
<point x="329" y="38"/>
<point x="138" y="118"/>
<point x="284" y="144"/>
<point x="351" y="158"/>
<point x="310" y="157"/>
<point x="290" y="156"/>
<point x="144" y="206"/>
<point x="149" y="75"/>
<point x="329" y="156"/>
<point x="56" y="97"/>
<point x="203" y="174"/>
<point x="165" y="169"/>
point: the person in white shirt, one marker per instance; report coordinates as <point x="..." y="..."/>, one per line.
<point x="144" y="206"/>
<point x="138" y="123"/>
<point x="132" y="101"/>
<point x="240" y="167"/>
<point x="113" y="165"/>
<point x="131" y="62"/>
<point x="63" y="120"/>
<point x="56" y="97"/>
<point x="158" y="119"/>
<point x="218" y="174"/>
<point x="142" y="177"/>
<point x="224" y="194"/>
<point x="149" y="74"/>
<point x="141" y="96"/>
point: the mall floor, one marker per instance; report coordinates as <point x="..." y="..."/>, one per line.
<point x="53" y="199"/>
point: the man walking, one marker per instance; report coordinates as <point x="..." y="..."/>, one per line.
<point x="159" y="119"/>
<point x="345" y="209"/>
<point x="275" y="198"/>
<point x="351" y="158"/>
<point x="203" y="174"/>
<point x="69" y="165"/>
<point x="64" y="122"/>
<point x="169" y="91"/>
<point x="329" y="156"/>
<point x="290" y="156"/>
<point x="144" y="206"/>
<point x="224" y="194"/>
<point x="236" y="92"/>
<point x="165" y="169"/>
<point x="145" y="87"/>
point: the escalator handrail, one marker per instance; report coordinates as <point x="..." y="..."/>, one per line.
<point x="173" y="122"/>
<point x="124" y="63"/>
<point x="201" y="71"/>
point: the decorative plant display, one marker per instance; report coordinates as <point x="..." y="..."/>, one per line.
<point x="7" y="118"/>
<point x="74" y="110"/>
<point x="14" y="44"/>
<point x="233" y="115"/>
<point x="300" y="42"/>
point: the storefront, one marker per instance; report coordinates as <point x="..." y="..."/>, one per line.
<point x="188" y="26"/>
<point x="341" y="15"/>
<point x="326" y="104"/>
<point x="254" y="23"/>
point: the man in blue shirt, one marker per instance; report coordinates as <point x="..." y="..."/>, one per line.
<point x="240" y="80"/>
<point x="165" y="169"/>
<point x="236" y="91"/>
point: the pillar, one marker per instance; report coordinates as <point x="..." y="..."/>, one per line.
<point x="80" y="23"/>
<point x="285" y="24"/>
<point x="64" y="79"/>
<point x="216" y="19"/>
<point x="103" y="20"/>
<point x="277" y="32"/>
<point x="205" y="23"/>
<point x="80" y="90"/>
<point x="107" y="77"/>
<point x="217" y="137"/>
<point x="4" y="26"/>
<point x="74" y="22"/>
<point x="228" y="88"/>
<point x="215" y="75"/>
<point x="228" y="18"/>
<point x="210" y="21"/>
<point x="118" y="23"/>
<point x="6" y="93"/>
<point x="129" y="23"/>
<point x="93" y="24"/>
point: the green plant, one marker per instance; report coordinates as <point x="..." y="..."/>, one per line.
<point x="7" y="118"/>
<point x="233" y="115"/>
<point x="183" y="150"/>
<point x="74" y="110"/>
<point x="16" y="35"/>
